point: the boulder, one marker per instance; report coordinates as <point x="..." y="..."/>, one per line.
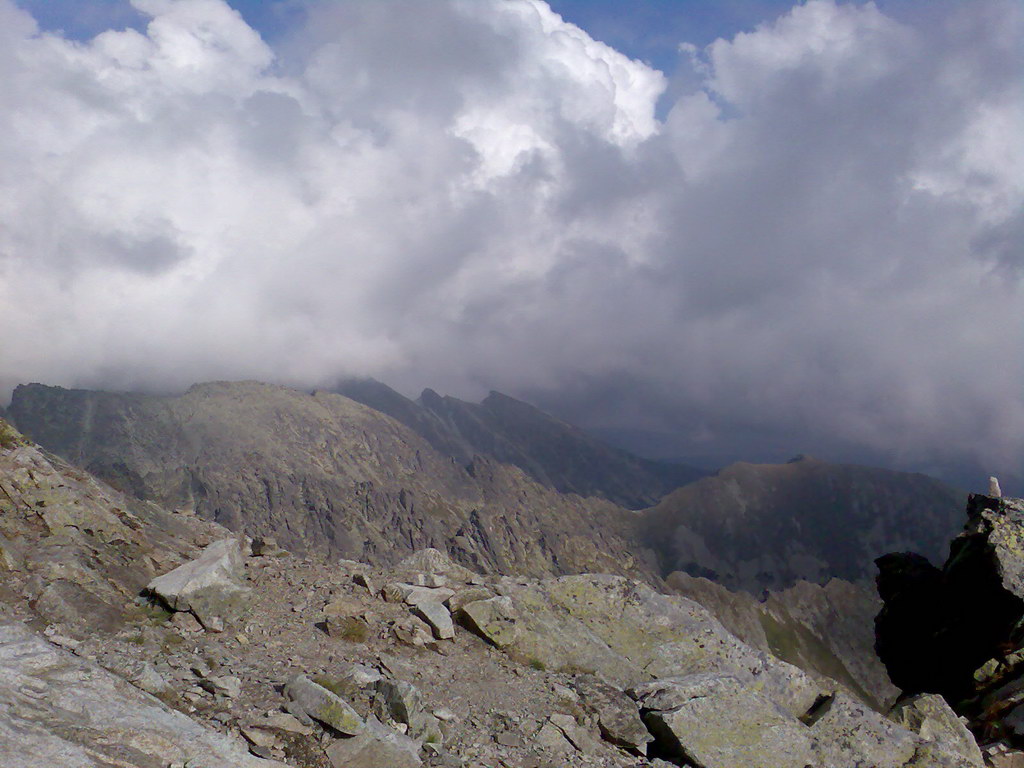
<point x="402" y="702"/>
<point x="267" y="546"/>
<point x="944" y="735"/>
<point x="714" y="721"/>
<point x="848" y="733"/>
<point x="625" y="632"/>
<point x="413" y="631"/>
<point x="209" y="586"/>
<point x="376" y="746"/>
<point x="551" y="738"/>
<point x="323" y="705"/>
<point x="229" y="686"/>
<point x="616" y="713"/>
<point x="11" y="556"/>
<point x="434" y="561"/>
<point x="579" y="737"/>
<point x="413" y="594"/>
<point x="438" y="617"/>
<point x="468" y="595"/>
<point x="495" y="620"/>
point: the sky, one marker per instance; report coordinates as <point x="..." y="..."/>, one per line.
<point x="743" y="229"/>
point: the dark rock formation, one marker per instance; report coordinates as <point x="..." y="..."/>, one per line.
<point x="767" y="526"/>
<point x="555" y="454"/>
<point x="955" y="630"/>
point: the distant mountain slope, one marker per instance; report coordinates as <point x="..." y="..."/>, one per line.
<point x="552" y="452"/>
<point x="824" y="629"/>
<point x="326" y="474"/>
<point x="766" y="526"/>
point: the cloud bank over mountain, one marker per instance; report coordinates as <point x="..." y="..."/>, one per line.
<point x="821" y="239"/>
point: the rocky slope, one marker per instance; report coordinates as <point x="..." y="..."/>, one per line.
<point x="767" y="526"/>
<point x="351" y="665"/>
<point x="555" y="454"/>
<point x="824" y="629"/>
<point x="326" y="475"/>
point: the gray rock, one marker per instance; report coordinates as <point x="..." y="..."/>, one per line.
<point x="713" y="721"/>
<point x="412" y="630"/>
<point x="434" y="561"/>
<point x="421" y="595"/>
<point x="850" y="734"/>
<point x="402" y="702"/>
<point x="495" y="620"/>
<point x="61" y="710"/>
<point x="320" y="704"/>
<point x="625" y="632"/>
<point x="282" y="721"/>
<point x="439" y="619"/>
<point x="551" y="738"/>
<point x="468" y="595"/>
<point x="142" y="675"/>
<point x="11" y="556"/>
<point x="616" y="714"/>
<point x="414" y="594"/>
<point x="365" y="581"/>
<point x="375" y="747"/>
<point x="267" y="546"/>
<point x="945" y="736"/>
<point x="223" y="685"/>
<point x="357" y="676"/>
<point x="577" y="736"/>
<point x="209" y="586"/>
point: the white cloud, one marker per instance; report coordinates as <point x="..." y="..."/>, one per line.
<point x="821" y="244"/>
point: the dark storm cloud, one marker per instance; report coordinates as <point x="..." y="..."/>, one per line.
<point x="820" y="242"/>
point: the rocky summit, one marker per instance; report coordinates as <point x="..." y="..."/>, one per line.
<point x="134" y="636"/>
<point x="957" y="630"/>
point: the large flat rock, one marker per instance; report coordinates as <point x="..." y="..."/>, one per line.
<point x="714" y="721"/>
<point x="59" y="710"/>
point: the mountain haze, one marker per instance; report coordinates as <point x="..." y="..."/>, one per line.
<point x="766" y="526"/>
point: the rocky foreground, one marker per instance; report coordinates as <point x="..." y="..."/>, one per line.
<point x="135" y="637"/>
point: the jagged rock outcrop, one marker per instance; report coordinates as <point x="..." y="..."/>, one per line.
<point x="552" y="452"/>
<point x="767" y="526"/>
<point x="326" y="475"/>
<point x="959" y="630"/>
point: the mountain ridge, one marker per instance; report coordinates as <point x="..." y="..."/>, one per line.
<point x="553" y="452"/>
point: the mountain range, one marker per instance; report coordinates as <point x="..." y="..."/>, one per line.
<point x="503" y="487"/>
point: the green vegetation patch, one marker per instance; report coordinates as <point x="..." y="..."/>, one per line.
<point x="10" y="437"/>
